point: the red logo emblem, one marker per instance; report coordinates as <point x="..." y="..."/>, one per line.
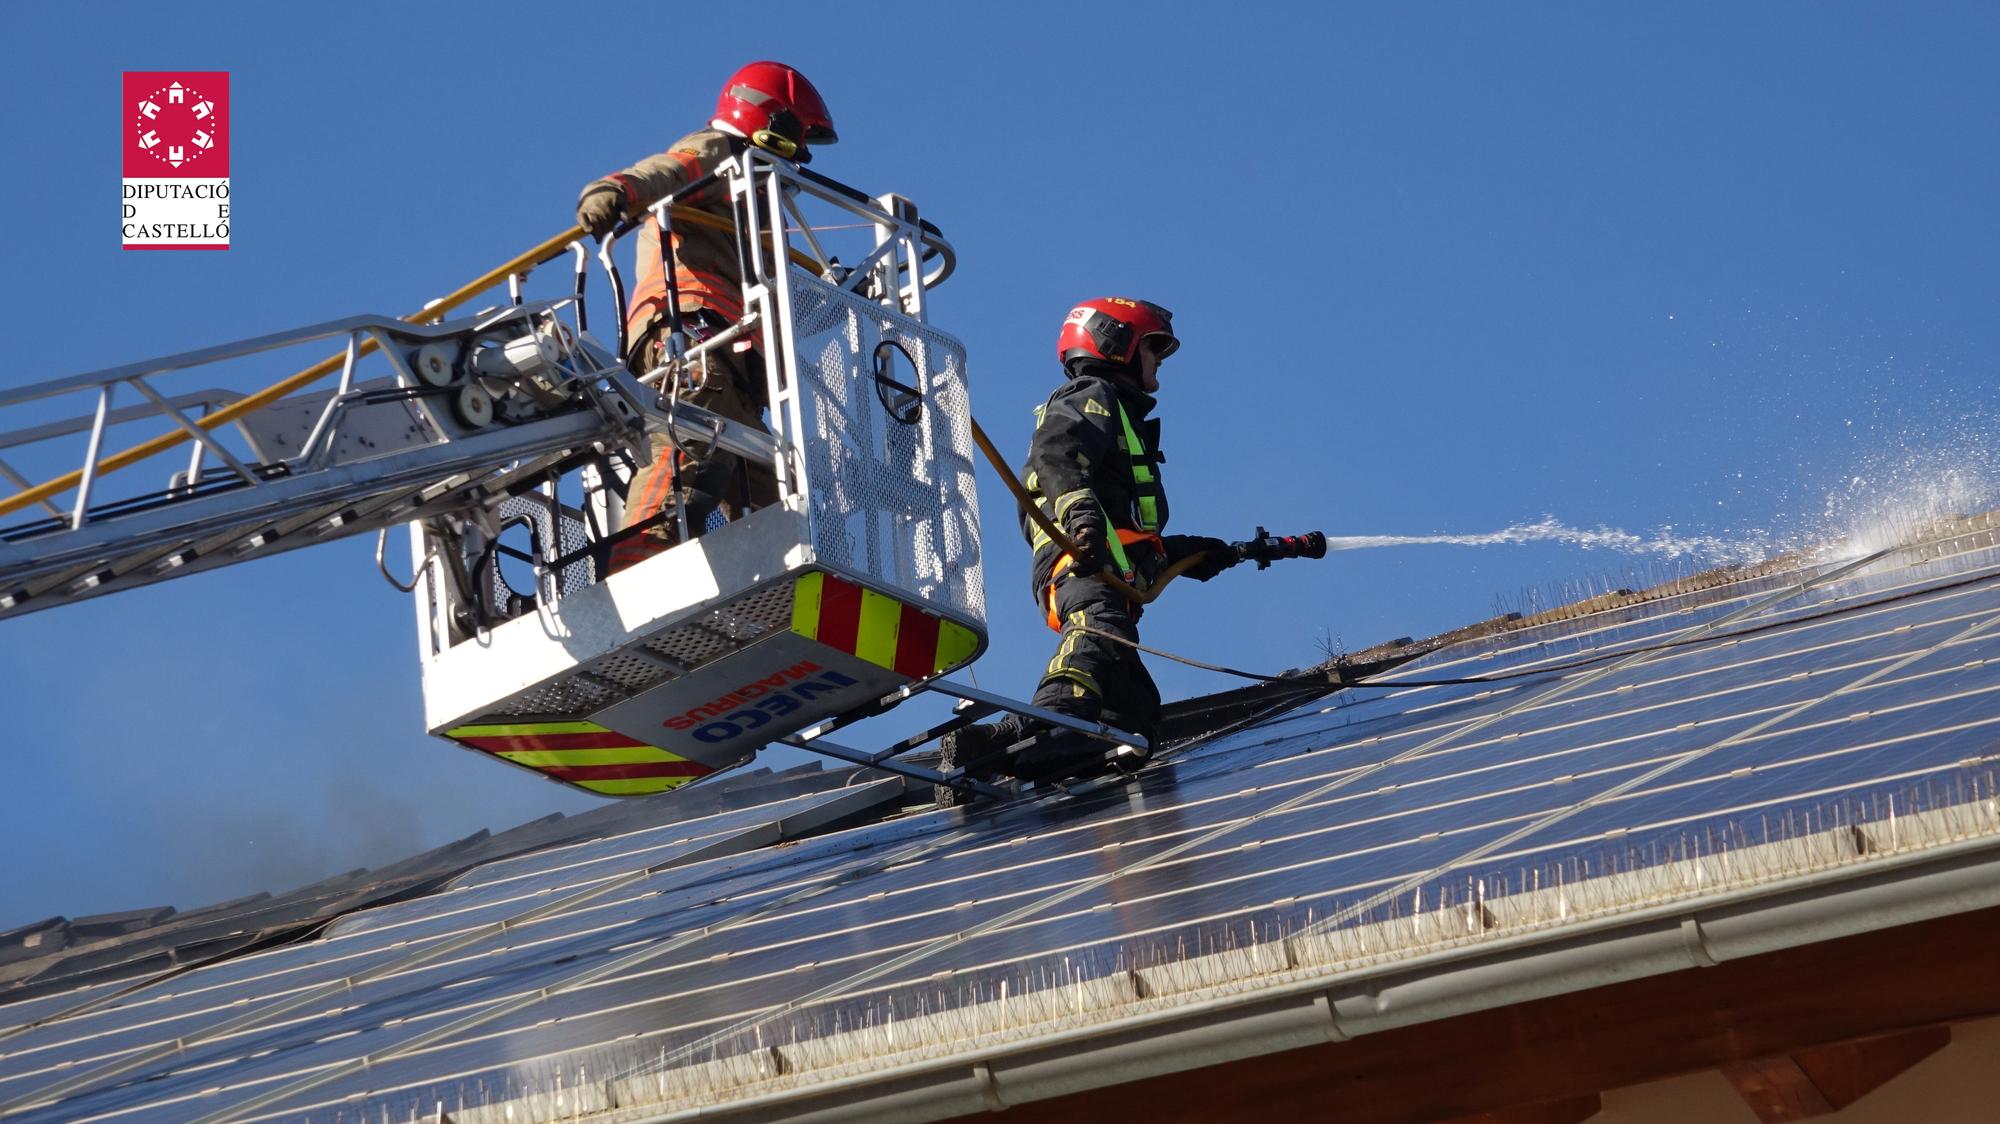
<point x="177" y="124"/>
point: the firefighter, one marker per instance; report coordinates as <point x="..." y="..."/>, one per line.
<point x="773" y="107"/>
<point x="1094" y="469"/>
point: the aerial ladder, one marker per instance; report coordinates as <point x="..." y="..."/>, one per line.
<point x="504" y="440"/>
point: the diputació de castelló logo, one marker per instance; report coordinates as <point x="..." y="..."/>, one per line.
<point x="176" y="158"/>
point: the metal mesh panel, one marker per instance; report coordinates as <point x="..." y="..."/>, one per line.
<point x="727" y="627"/>
<point x="565" y="531"/>
<point x="761" y="612"/>
<point x="890" y="500"/>
<point x="692" y="644"/>
<point x="634" y="673"/>
<point x="620" y="675"/>
<point x="574" y="695"/>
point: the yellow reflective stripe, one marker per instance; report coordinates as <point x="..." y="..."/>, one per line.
<point x="955" y="645"/>
<point x="1059" y="667"/>
<point x="622" y="755"/>
<point x="1041" y="538"/>
<point x="524" y="729"/>
<point x="1081" y="684"/>
<point x="1056" y="664"/>
<point x="632" y="786"/>
<point x="805" y="604"/>
<point x="1149" y="513"/>
<point x="875" y="638"/>
<point x="1070" y="499"/>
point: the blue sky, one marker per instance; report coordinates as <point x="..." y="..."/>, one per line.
<point x="1727" y="269"/>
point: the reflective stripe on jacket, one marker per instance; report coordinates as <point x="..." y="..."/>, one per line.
<point x="705" y="260"/>
<point x="1093" y="437"/>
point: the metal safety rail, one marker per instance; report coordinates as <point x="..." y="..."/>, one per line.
<point x="749" y="621"/>
<point x="887" y="492"/>
<point x="905" y="256"/>
<point x="1121" y="749"/>
<point x="849" y="339"/>
<point x="509" y="438"/>
<point x="465" y="411"/>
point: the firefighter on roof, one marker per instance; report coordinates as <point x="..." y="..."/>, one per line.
<point x="766" y="104"/>
<point x="1094" y="469"/>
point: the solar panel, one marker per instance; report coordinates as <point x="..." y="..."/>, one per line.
<point x="1740" y="735"/>
<point x="431" y="943"/>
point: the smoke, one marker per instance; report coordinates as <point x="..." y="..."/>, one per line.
<point x="228" y="849"/>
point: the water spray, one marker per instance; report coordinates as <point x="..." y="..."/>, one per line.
<point x="1266" y="548"/>
<point x="1665" y="542"/>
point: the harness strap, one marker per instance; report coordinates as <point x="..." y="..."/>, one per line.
<point x="1118" y="558"/>
<point x="1148" y="513"/>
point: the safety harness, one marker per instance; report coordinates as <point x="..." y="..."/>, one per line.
<point x="1146" y="505"/>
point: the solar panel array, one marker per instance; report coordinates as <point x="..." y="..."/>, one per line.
<point x="1820" y="718"/>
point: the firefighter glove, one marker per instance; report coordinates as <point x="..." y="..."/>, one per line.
<point x="1216" y="555"/>
<point x="600" y="208"/>
<point x="1083" y="522"/>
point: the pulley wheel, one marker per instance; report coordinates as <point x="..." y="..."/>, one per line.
<point x="432" y="363"/>
<point x="473" y="406"/>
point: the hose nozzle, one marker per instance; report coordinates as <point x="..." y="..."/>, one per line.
<point x="1266" y="547"/>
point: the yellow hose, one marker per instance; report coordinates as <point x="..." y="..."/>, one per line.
<point x="1107" y="575"/>
<point x="548" y="250"/>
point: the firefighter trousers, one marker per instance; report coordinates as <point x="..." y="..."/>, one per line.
<point x="1094" y="677"/>
<point x="705" y="480"/>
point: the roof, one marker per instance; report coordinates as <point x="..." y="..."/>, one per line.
<point x="59" y="955"/>
<point x="1752" y="760"/>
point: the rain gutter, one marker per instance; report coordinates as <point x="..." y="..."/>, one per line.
<point x="1900" y="890"/>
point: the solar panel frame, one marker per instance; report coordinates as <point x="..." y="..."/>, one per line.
<point x="1709" y="723"/>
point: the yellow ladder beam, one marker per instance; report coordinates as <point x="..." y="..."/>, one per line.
<point x="548" y="250"/>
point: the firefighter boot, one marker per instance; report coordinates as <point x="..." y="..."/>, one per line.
<point x="1055" y="753"/>
<point x="979" y="751"/>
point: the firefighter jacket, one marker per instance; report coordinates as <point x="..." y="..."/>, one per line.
<point x="706" y="260"/>
<point x="1094" y="443"/>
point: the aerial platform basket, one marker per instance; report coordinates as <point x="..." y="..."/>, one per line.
<point x="506" y="440"/>
<point x="864" y="579"/>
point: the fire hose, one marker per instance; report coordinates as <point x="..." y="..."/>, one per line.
<point x="1262" y="548"/>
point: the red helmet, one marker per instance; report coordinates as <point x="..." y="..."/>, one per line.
<point x="773" y="106"/>
<point x="1110" y="330"/>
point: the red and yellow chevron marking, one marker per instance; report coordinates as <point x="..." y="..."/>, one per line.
<point x="583" y="754"/>
<point x="882" y="630"/>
